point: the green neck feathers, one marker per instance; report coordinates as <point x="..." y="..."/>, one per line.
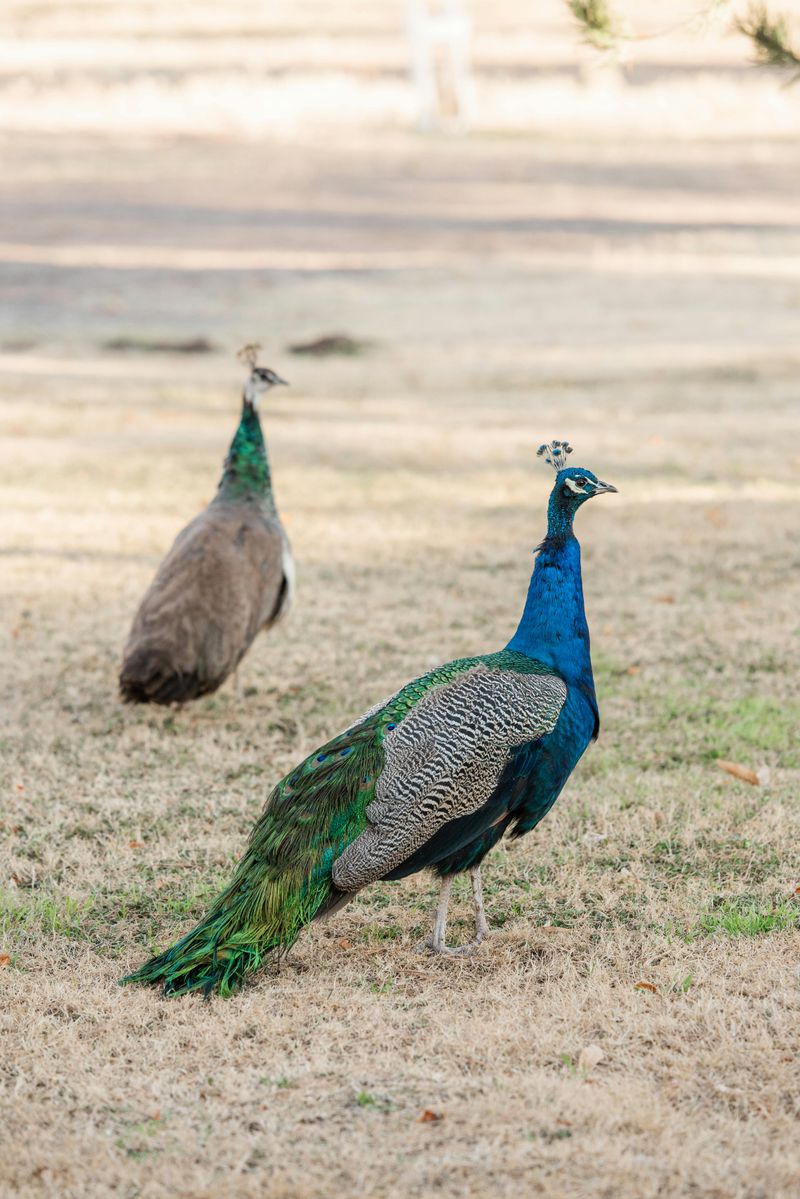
<point x="247" y="475"/>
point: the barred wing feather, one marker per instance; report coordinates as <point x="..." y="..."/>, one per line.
<point x="444" y="761"/>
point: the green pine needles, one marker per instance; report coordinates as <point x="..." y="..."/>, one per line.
<point x="771" y="39"/>
<point x="769" y="34"/>
<point x="600" y="28"/>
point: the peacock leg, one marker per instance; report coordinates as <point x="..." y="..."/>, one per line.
<point x="436" y="942"/>
<point x="481" y="927"/>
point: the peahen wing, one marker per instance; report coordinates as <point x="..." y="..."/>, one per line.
<point x="444" y="758"/>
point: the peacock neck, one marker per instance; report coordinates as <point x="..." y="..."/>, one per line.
<point x="247" y="474"/>
<point x="553" y="626"/>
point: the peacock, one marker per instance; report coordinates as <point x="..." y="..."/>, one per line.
<point x="431" y="777"/>
<point x="229" y="574"/>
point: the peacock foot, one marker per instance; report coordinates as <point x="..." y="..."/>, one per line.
<point x="432" y="946"/>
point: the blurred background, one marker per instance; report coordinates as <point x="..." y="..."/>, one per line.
<point x="194" y="174"/>
<point x="439" y="220"/>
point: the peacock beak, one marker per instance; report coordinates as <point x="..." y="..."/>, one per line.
<point x="600" y="486"/>
<point x="278" y="379"/>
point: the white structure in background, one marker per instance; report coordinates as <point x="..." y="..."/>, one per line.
<point x="439" y="35"/>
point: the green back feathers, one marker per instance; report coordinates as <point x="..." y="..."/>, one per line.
<point x="247" y="473"/>
<point x="284" y="878"/>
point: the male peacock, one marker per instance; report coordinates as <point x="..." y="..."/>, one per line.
<point x="228" y="575"/>
<point x="432" y="777"/>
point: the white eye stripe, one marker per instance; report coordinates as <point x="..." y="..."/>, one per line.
<point x="587" y="486"/>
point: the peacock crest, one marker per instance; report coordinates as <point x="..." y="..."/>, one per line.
<point x="555" y="453"/>
<point x="249" y="354"/>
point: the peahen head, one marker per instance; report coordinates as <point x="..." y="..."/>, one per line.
<point x="261" y="377"/>
<point x="260" y="381"/>
<point x="574" y="485"/>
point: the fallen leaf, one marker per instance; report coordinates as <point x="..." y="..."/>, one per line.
<point x="633" y="670"/>
<point x="665" y="599"/>
<point x="589" y="1057"/>
<point x="20" y="787"/>
<point x="344" y="943"/>
<point x="651" y="987"/>
<point x="550" y="928"/>
<point x="429" y="1117"/>
<point x="739" y="772"/>
<point x="5" y="959"/>
<point x="135" y="844"/>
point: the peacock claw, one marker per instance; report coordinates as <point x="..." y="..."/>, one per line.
<point x="453" y="951"/>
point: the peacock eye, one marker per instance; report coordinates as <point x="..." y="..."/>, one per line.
<point x="581" y="480"/>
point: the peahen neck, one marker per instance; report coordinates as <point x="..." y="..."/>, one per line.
<point x="553" y="626"/>
<point x="247" y="475"/>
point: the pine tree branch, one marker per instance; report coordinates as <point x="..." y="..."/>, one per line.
<point x="769" y="34"/>
<point x="600" y="28"/>
<point x="771" y="39"/>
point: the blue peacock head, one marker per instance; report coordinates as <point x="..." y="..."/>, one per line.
<point x="574" y="485"/>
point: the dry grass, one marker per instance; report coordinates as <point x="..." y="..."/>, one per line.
<point x="638" y="298"/>
<point x="654" y="866"/>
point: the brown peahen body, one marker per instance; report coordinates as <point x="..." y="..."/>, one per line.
<point x="228" y="575"/>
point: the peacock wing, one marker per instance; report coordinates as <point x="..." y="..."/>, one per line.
<point x="444" y="757"/>
<point x="321" y="806"/>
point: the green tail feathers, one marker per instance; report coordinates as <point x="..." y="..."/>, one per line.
<point x="284" y="879"/>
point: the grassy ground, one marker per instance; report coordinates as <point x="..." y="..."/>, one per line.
<point x="412" y="521"/>
<point x="630" y="1029"/>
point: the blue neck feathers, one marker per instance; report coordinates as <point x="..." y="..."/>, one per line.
<point x="553" y="626"/>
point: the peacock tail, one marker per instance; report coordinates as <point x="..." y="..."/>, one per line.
<point x="284" y="879"/>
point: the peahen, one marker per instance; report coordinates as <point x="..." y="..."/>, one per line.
<point x="432" y="777"/>
<point x="228" y="575"/>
